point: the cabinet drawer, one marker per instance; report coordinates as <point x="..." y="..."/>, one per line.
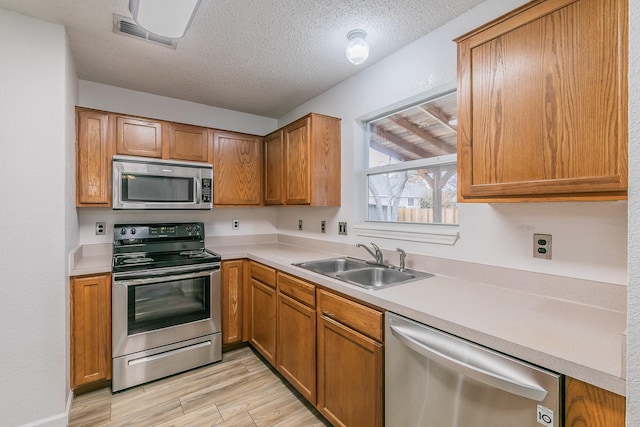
<point x="266" y="275"/>
<point x="297" y="289"/>
<point x="357" y="316"/>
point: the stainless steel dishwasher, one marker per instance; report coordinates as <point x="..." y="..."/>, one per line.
<point x="433" y="379"/>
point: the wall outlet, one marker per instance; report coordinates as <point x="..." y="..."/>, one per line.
<point x="342" y="228"/>
<point x="299" y="225"/>
<point x="101" y="228"/>
<point x="542" y="246"/>
<point x="235" y="224"/>
<point x="323" y="226"/>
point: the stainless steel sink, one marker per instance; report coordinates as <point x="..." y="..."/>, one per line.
<point x="359" y="272"/>
<point x="375" y="276"/>
<point x="332" y="266"/>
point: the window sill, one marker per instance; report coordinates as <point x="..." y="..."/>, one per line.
<point x="435" y="234"/>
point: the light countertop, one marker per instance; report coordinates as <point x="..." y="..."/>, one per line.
<point x="575" y="339"/>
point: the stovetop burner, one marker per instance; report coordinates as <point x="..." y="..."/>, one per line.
<point x="137" y="260"/>
<point x="154" y="246"/>
<point x="199" y="253"/>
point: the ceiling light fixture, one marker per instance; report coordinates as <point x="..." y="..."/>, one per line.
<point x="168" y="18"/>
<point x="357" y="49"/>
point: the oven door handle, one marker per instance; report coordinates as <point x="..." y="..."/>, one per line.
<point x="155" y="279"/>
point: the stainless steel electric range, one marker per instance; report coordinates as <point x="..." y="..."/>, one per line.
<point x="165" y="302"/>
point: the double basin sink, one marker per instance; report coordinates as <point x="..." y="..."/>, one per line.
<point x="361" y="273"/>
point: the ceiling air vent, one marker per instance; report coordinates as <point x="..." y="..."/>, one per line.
<point x="129" y="27"/>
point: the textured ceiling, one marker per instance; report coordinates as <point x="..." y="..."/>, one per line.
<point x="263" y="57"/>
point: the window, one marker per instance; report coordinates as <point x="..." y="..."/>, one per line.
<point x="412" y="176"/>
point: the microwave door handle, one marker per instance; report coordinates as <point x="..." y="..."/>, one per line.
<point x="420" y="341"/>
<point x="198" y="190"/>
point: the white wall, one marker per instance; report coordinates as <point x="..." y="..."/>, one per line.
<point x="111" y="98"/>
<point x="633" y="291"/>
<point x="217" y="221"/>
<point x="589" y="239"/>
<point x="71" y="215"/>
<point x="35" y="81"/>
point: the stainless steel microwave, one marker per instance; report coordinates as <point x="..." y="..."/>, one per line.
<point x="144" y="183"/>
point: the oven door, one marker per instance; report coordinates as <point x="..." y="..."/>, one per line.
<point x="155" y="311"/>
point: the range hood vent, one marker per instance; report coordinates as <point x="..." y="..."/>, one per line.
<point x="129" y="27"/>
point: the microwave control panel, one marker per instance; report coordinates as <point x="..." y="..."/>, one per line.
<point x="206" y="190"/>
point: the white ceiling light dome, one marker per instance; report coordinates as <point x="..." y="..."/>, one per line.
<point x="167" y="18"/>
<point x="357" y="50"/>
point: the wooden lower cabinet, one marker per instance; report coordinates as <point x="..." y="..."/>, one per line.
<point x="262" y="328"/>
<point x="350" y="366"/>
<point x="90" y="330"/>
<point x="296" y="338"/>
<point x="232" y="276"/>
<point x="589" y="406"/>
<point x="330" y="348"/>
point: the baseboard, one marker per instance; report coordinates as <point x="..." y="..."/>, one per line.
<point x="60" y="420"/>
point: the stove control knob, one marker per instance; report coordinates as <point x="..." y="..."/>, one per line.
<point x="123" y="231"/>
<point x="133" y="231"/>
<point x="197" y="228"/>
<point x="189" y="228"/>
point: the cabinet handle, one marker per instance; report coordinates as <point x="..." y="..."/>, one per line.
<point x="328" y="314"/>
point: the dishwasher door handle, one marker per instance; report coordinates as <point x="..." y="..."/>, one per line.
<point x="423" y="341"/>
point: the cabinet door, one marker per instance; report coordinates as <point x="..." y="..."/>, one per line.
<point x="296" y="350"/>
<point x="349" y="376"/>
<point x="93" y="161"/>
<point x="297" y="152"/>
<point x="232" y="313"/>
<point x="586" y="404"/>
<point x="262" y="331"/>
<point x="188" y="143"/>
<point x="543" y="104"/>
<point x="237" y="169"/>
<point x="274" y="167"/>
<point x="90" y="330"/>
<point x="138" y="137"/>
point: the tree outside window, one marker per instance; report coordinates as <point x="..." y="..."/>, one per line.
<point x="412" y="157"/>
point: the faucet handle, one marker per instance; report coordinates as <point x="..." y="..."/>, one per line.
<point x="403" y="255"/>
<point x="379" y="256"/>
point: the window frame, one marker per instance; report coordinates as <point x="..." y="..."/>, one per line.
<point x="444" y="234"/>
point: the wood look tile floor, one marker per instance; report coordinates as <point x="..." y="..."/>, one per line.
<point x="241" y="390"/>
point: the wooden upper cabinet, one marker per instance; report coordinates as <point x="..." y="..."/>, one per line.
<point x="312" y="161"/>
<point x="542" y="104"/>
<point x="274" y="184"/>
<point x="93" y="159"/>
<point x="138" y="137"/>
<point x="237" y="171"/>
<point x="298" y="162"/>
<point x="188" y="143"/>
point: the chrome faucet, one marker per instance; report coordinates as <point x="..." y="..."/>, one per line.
<point x="403" y="255"/>
<point x="377" y="255"/>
